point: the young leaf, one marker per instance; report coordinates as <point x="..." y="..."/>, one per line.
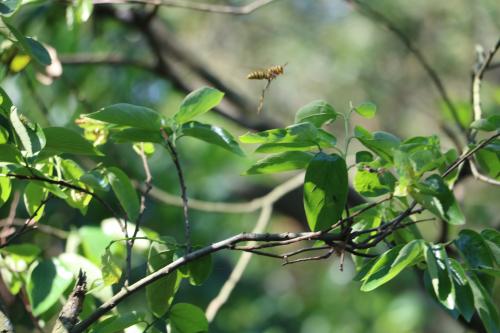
<point x="160" y="293"/>
<point x="30" y="134"/>
<point x="366" y="110"/>
<point x="373" y="184"/>
<point x="381" y="143"/>
<point x="298" y="133"/>
<point x="187" y="318"/>
<point x="63" y="140"/>
<point x="286" y="161"/>
<point x="46" y="284"/>
<point x="125" y="192"/>
<point x="325" y="190"/>
<point x="317" y="113"/>
<point x="198" y="102"/>
<point x="129" y="115"/>
<point x="433" y="194"/>
<point x="437" y="266"/>
<point x="391" y="263"/>
<point x="492" y="123"/>
<point x="212" y="134"/>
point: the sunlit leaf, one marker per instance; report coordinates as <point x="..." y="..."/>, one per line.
<point x="317" y="113"/>
<point x="212" y="134"/>
<point x="286" y="161"/>
<point x="197" y="103"/>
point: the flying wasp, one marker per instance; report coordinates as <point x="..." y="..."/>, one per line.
<point x="266" y="74"/>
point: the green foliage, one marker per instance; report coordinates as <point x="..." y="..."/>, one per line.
<point x="211" y="134"/>
<point x="128" y="115"/>
<point x="325" y="190"/>
<point x="290" y="160"/>
<point x="187" y="318"/>
<point x="124" y="191"/>
<point x="366" y="110"/>
<point x="197" y="103"/>
<point x="317" y="113"/>
<point x="63" y="140"/>
<point x="492" y="123"/>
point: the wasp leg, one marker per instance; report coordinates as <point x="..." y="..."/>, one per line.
<point x="261" y="100"/>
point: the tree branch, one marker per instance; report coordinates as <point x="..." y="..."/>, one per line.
<point x="199" y="6"/>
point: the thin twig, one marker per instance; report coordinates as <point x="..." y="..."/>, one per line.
<point x="320" y="257"/>
<point x="26" y="224"/>
<point x="199" y="6"/>
<point x="182" y="183"/>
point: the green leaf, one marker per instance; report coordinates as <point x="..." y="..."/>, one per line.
<point x="63" y="140"/>
<point x="8" y="7"/>
<point x="298" y="133"/>
<point x="484" y="305"/>
<point x="53" y="188"/>
<point x="125" y="192"/>
<point x="434" y="195"/>
<point x="32" y="47"/>
<point x="160" y="293"/>
<point x="76" y="199"/>
<point x="492" y="123"/>
<point x="391" y="263"/>
<point x="463" y="292"/>
<point x="366" y="110"/>
<point x="111" y="268"/>
<point x="325" y="190"/>
<point x="10" y="154"/>
<point x="187" y="318"/>
<point x="129" y="115"/>
<point x="489" y="159"/>
<point x="4" y="135"/>
<point x="492" y="239"/>
<point x="118" y="323"/>
<point x="31" y="135"/>
<point x="5" y="103"/>
<point x="197" y="103"/>
<point x="364" y="156"/>
<point x="34" y="195"/>
<point x="317" y="113"/>
<point x="286" y="161"/>
<point x="5" y="189"/>
<point x="136" y="135"/>
<point x="25" y="252"/>
<point x="212" y="134"/>
<point x="373" y="184"/>
<point x="199" y="270"/>
<point x="46" y="284"/>
<point x="437" y="267"/>
<point x="477" y="253"/>
<point x="381" y="143"/>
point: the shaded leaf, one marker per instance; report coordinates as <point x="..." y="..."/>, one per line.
<point x="492" y="123"/>
<point x="381" y="143"/>
<point x="30" y="134"/>
<point x="63" y="140"/>
<point x="46" y="283"/>
<point x="125" y="192"/>
<point x="325" y="190"/>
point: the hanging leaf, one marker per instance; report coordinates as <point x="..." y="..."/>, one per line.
<point x="325" y="190"/>
<point x="125" y="192"/>
<point x="30" y="134"/>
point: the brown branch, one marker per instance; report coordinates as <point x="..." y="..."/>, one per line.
<point x="199" y="6"/>
<point x="68" y="316"/>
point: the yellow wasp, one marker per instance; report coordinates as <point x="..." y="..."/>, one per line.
<point x="266" y="74"/>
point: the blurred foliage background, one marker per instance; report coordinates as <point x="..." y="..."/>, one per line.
<point x="333" y="53"/>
